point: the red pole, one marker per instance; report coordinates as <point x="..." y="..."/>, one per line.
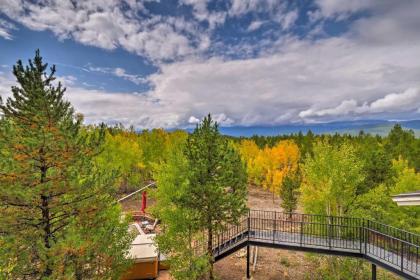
<point x="143" y="202"/>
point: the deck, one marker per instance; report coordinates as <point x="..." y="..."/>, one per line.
<point x="391" y="248"/>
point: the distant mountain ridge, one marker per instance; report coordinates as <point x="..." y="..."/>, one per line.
<point x="374" y="127"/>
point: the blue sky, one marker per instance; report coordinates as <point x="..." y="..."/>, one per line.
<point x="248" y="62"/>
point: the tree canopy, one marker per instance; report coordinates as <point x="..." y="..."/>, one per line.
<point x="58" y="219"/>
<point x="206" y="185"/>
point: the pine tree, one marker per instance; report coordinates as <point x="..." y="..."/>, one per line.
<point x="217" y="181"/>
<point x="180" y="232"/>
<point x="289" y="191"/>
<point x="201" y="190"/>
<point x="57" y="216"/>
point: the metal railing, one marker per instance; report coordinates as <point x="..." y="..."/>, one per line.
<point x="390" y="247"/>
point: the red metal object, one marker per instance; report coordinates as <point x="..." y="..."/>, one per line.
<point x="143" y="202"/>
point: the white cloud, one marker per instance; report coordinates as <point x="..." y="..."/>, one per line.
<point x="255" y="25"/>
<point x="240" y="7"/>
<point x="222" y="119"/>
<point x="343" y="8"/>
<point x="302" y="76"/>
<point x="369" y="71"/>
<point x="408" y="100"/>
<point x="6" y="28"/>
<point x="6" y="82"/>
<point x="288" y="19"/>
<point x="138" y="110"/>
<point x="202" y="13"/>
<point x="97" y="106"/>
<point x="277" y="11"/>
<point x="119" y="72"/>
<point x="344" y="108"/>
<point x="5" y="33"/>
<point x="193" y="120"/>
<point x="108" y="25"/>
<point x="278" y="87"/>
<point x="67" y="80"/>
<point x="394" y="102"/>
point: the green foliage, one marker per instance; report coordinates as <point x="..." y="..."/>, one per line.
<point x="58" y="219"/>
<point x="376" y="161"/>
<point x="217" y="177"/>
<point x="136" y="155"/>
<point x="403" y="143"/>
<point x="334" y="268"/>
<point x="202" y="188"/>
<point x="289" y="191"/>
<point x="180" y="227"/>
<point x="285" y="261"/>
<point x="378" y="205"/>
<point x="331" y="179"/>
<point x="122" y="152"/>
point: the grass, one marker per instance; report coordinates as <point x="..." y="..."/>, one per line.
<point x="285" y="261"/>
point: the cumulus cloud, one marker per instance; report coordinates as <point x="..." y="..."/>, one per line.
<point x="408" y="100"/>
<point x="368" y="71"/>
<point x="139" y="110"/>
<point x="344" y="108"/>
<point x="284" y="87"/>
<point x="193" y="120"/>
<point x="327" y="79"/>
<point x="6" y="82"/>
<point x="395" y="102"/>
<point x="110" y="25"/>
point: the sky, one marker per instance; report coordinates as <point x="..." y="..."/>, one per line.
<point x="169" y="63"/>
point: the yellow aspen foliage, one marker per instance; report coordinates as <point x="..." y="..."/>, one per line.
<point x="122" y="152"/>
<point x="267" y="167"/>
<point x="250" y="154"/>
<point x="280" y="160"/>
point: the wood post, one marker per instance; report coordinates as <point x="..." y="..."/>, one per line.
<point x="248" y="274"/>
<point x="373" y="271"/>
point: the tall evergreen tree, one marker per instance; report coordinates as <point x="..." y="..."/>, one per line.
<point x="403" y="143"/>
<point x="57" y="216"/>
<point x="217" y="181"/>
<point x="208" y="193"/>
<point x="180" y="232"/>
<point x="289" y="191"/>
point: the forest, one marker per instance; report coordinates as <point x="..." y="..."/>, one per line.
<point x="338" y="175"/>
<point x="294" y="167"/>
<point x="60" y="177"/>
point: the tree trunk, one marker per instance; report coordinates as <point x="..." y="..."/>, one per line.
<point x="46" y="223"/>
<point x="210" y="249"/>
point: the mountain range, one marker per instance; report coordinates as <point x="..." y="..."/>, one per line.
<point x="374" y="127"/>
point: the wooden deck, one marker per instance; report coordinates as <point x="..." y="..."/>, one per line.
<point x="391" y="248"/>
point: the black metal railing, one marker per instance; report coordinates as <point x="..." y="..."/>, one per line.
<point x="393" y="248"/>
